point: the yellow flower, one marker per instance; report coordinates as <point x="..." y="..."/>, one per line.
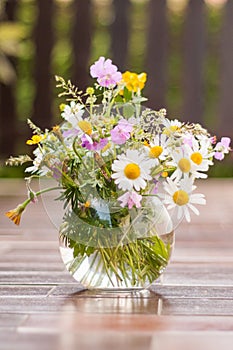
<point x="133" y="81"/>
<point x="87" y="204"/>
<point x="35" y="139"/>
<point x="15" y="214"/>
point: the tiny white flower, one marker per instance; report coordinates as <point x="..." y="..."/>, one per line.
<point x="132" y="170"/>
<point x="73" y="113"/>
<point x="37" y="163"/>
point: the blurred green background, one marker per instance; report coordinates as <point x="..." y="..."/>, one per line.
<point x="185" y="46"/>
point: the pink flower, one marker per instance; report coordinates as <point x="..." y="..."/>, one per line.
<point x="91" y="145"/>
<point x="213" y="140"/>
<point x="188" y="140"/>
<point x="105" y="72"/>
<point x="225" y="142"/>
<point x="218" y="155"/>
<point x="130" y="198"/>
<point x="222" y="148"/>
<point x="121" y="133"/>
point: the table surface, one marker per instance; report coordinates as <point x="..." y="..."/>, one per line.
<point x="42" y="307"/>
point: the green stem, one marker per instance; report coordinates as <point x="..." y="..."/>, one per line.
<point x="28" y="200"/>
<point x="77" y="154"/>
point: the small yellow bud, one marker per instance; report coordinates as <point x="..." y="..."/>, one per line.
<point x="90" y="91"/>
<point x="62" y="107"/>
<point x="56" y="128"/>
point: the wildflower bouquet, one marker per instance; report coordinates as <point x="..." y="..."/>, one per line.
<point x="125" y="175"/>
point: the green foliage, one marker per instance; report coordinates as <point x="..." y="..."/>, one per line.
<point x="11" y="35"/>
<point x="17" y="39"/>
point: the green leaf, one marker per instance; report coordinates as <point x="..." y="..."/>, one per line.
<point x="127" y="94"/>
<point x="128" y="110"/>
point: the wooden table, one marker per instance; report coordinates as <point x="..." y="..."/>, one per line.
<point x="42" y="307"/>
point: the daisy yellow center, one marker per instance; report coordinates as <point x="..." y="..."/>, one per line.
<point x="184" y="165"/>
<point x="196" y="158"/>
<point x="155" y="151"/>
<point x="85" y="127"/>
<point x="132" y="171"/>
<point x="170" y="130"/>
<point x="164" y="174"/>
<point x="180" y="197"/>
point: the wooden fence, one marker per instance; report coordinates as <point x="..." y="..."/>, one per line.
<point x="193" y="43"/>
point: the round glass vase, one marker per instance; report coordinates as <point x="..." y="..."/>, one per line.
<point x="122" y="249"/>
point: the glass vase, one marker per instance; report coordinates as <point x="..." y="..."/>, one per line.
<point x="124" y="249"/>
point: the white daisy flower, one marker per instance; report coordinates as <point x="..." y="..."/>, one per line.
<point x="132" y="170"/>
<point x="171" y="126"/>
<point x="182" y="162"/>
<point x="158" y="148"/>
<point x="180" y="197"/>
<point x="200" y="156"/>
<point x="73" y="113"/>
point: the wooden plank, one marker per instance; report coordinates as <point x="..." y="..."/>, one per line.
<point x="41" y="305"/>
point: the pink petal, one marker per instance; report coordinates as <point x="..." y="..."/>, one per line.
<point x="225" y="141"/>
<point x="218" y="155"/>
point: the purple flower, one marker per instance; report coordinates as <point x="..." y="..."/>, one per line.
<point x="121" y="133"/>
<point x="91" y="145"/>
<point x="222" y="148"/>
<point x="105" y="72"/>
<point x="130" y="198"/>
